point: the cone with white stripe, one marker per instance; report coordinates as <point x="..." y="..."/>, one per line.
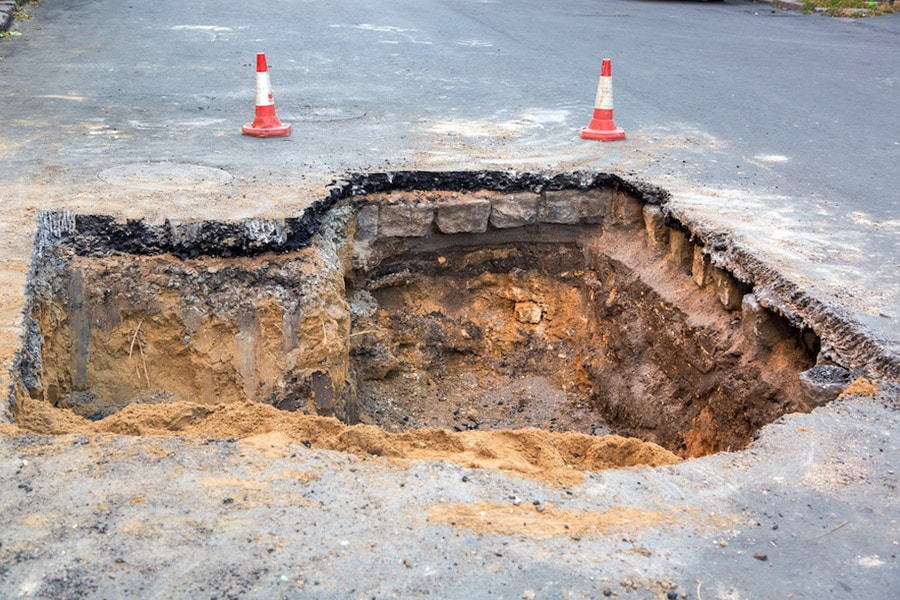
<point x="266" y="122"/>
<point x="602" y="126"/>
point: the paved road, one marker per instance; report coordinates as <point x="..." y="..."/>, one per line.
<point x="779" y="128"/>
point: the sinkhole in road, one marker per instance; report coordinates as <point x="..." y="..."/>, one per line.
<point x="411" y="301"/>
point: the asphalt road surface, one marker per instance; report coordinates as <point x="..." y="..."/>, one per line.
<point x="779" y="128"/>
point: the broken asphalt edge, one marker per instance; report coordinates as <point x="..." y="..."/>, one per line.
<point x="844" y="341"/>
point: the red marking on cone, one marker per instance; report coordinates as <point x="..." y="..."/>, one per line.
<point x="602" y="126"/>
<point x="266" y="122"/>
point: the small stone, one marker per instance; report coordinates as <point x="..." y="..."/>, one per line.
<point x="528" y="595"/>
<point x="228" y="501"/>
<point x="529" y="312"/>
<point x="472" y="415"/>
<point x="672" y="595"/>
<point x="760" y="556"/>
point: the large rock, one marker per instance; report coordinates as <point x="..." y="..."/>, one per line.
<point x="515" y="210"/>
<point x="824" y="383"/>
<point x="463" y="215"/>
<point x="559" y="208"/>
<point x="367" y="222"/>
<point x="406" y="220"/>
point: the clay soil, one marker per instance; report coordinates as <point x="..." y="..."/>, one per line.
<point x="477" y="338"/>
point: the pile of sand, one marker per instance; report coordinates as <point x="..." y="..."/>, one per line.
<point x="555" y="458"/>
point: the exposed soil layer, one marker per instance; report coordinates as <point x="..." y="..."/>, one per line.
<point x="429" y="303"/>
<point x="534" y="334"/>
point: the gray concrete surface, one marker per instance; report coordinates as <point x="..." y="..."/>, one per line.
<point x="774" y="127"/>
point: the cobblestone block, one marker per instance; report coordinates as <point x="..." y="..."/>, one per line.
<point x="729" y="290"/>
<point x="625" y="209"/>
<point x="655" y="226"/>
<point x="367" y="222"/>
<point x="559" y="208"/>
<point x="515" y="210"/>
<point x="406" y="220"/>
<point x="701" y="268"/>
<point x="465" y="215"/>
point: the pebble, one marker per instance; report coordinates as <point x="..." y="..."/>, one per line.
<point x="760" y="556"/>
<point x="528" y="595"/>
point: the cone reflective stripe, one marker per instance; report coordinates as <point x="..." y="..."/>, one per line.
<point x="602" y="126"/>
<point x="266" y="122"/>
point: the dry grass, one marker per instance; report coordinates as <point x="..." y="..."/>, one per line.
<point x="850" y="8"/>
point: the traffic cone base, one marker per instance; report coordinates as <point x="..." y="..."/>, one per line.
<point x="266" y="123"/>
<point x="602" y="127"/>
<point x="616" y="133"/>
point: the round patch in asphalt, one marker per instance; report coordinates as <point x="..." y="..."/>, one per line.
<point x="164" y="175"/>
<point x="324" y="114"/>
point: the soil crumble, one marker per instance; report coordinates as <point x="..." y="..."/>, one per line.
<point x="860" y="387"/>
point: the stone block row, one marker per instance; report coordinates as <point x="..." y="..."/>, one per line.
<point x="421" y="217"/>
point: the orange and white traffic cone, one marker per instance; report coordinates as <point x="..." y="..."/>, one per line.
<point x="266" y="122"/>
<point x="602" y="127"/>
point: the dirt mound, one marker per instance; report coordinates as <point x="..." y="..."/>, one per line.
<point x="554" y="458"/>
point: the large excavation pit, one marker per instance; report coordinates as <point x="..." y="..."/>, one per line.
<point x="454" y="301"/>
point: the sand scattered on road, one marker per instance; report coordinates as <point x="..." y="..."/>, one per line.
<point x="546" y="521"/>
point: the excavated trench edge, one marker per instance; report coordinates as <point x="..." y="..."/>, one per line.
<point x="843" y="341"/>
